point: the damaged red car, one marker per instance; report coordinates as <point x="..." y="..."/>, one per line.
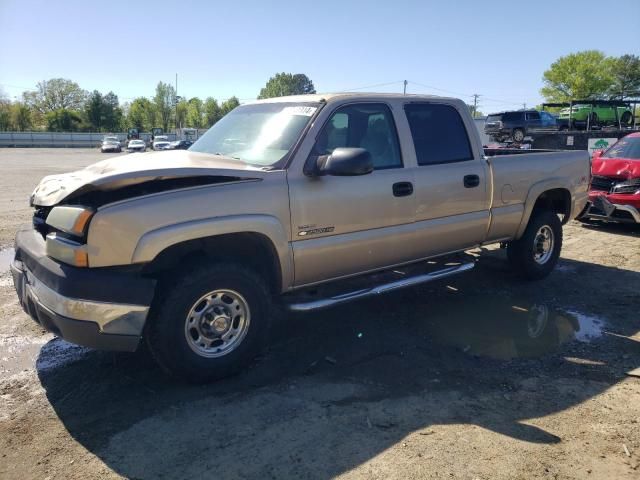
<point x="614" y="195"/>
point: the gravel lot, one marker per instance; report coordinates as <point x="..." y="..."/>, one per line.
<point x="482" y="376"/>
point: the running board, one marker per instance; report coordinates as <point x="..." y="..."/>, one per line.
<point x="379" y="289"/>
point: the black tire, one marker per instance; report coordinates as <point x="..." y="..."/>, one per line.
<point x="626" y="118"/>
<point x="166" y="334"/>
<point x="522" y="253"/>
<point x="517" y="135"/>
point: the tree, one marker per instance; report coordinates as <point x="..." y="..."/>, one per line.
<point x="55" y="94"/>
<point x="63" y="120"/>
<point x="93" y="109"/>
<point x="164" y="101"/>
<point x="287" y="84"/>
<point x="111" y="112"/>
<point x="228" y="105"/>
<point x="626" y="75"/>
<point x="579" y="75"/>
<point x="195" y="113"/>
<point x="141" y="114"/>
<point x="182" y="109"/>
<point x="5" y="113"/>
<point x="212" y="112"/>
<point x="20" y="117"/>
<point x="476" y="113"/>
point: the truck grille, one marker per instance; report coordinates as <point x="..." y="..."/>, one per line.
<point x="39" y="220"/>
<point x="602" y="184"/>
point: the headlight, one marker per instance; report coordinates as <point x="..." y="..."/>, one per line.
<point x="71" y="220"/>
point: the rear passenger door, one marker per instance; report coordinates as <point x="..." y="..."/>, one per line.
<point x="533" y="122"/>
<point x="451" y="188"/>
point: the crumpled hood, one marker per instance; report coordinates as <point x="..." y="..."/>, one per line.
<point x="127" y="170"/>
<point x="618" y="168"/>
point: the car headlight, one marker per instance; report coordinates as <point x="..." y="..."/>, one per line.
<point x="68" y="243"/>
<point x="73" y="220"/>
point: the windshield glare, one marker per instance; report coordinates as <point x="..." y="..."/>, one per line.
<point x="624" y="148"/>
<point x="259" y="134"/>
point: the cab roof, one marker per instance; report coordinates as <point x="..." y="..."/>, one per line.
<point x="330" y="97"/>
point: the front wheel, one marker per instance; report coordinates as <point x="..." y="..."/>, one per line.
<point x="209" y="323"/>
<point x="536" y="253"/>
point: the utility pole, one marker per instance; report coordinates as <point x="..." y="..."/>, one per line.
<point x="524" y="106"/>
<point x="475" y="104"/>
<point x="176" y="102"/>
<point x="404" y="92"/>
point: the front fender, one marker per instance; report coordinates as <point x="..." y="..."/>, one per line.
<point x="155" y="241"/>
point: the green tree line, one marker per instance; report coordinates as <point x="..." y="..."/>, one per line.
<point x="60" y="104"/>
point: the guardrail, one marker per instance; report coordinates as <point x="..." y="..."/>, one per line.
<point x="63" y="140"/>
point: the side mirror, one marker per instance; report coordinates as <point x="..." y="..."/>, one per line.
<point x="597" y="154"/>
<point x="343" y="162"/>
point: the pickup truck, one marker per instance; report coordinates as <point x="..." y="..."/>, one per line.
<point x="299" y="203"/>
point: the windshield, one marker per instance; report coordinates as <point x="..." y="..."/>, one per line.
<point x="625" y="148"/>
<point x="259" y="134"/>
<point x="111" y="139"/>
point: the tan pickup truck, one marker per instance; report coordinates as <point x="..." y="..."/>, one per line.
<point x="307" y="201"/>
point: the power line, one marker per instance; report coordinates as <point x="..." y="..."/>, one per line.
<point x="371" y="86"/>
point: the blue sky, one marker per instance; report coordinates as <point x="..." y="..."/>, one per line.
<point x="498" y="48"/>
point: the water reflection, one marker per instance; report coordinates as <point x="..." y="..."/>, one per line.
<point x="502" y="328"/>
<point x="6" y="257"/>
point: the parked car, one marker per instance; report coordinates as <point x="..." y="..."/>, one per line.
<point x="614" y="195"/>
<point x="346" y="199"/>
<point x="601" y="115"/>
<point x="181" y="144"/>
<point x="160" y="142"/>
<point x="110" y="144"/>
<point x="136" y="146"/>
<point x="516" y="125"/>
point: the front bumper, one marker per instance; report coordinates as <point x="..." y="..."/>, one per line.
<point x="98" y="308"/>
<point x="601" y="208"/>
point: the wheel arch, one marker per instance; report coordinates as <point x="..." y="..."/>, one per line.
<point x="553" y="196"/>
<point x="259" y="243"/>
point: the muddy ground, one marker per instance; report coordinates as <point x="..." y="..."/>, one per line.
<point x="482" y="376"/>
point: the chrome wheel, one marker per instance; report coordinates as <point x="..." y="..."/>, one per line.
<point x="217" y="323"/>
<point x="543" y="245"/>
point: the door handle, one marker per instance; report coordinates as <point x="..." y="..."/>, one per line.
<point x="402" y="189"/>
<point x="471" y="181"/>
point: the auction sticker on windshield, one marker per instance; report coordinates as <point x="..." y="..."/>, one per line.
<point x="300" y="110"/>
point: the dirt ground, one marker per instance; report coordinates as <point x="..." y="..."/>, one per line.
<point x="481" y="376"/>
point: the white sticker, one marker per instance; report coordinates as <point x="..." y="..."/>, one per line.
<point x="299" y="110"/>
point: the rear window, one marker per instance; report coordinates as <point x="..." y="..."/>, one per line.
<point x="439" y="135"/>
<point x="624" y="148"/>
<point x="512" y="117"/>
<point x="494" y="118"/>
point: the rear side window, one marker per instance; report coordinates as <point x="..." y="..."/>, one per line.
<point x="512" y="117"/>
<point x="439" y="135"/>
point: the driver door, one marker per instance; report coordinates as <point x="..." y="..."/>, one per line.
<point x="347" y="225"/>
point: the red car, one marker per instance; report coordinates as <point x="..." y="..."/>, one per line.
<point x="614" y="195"/>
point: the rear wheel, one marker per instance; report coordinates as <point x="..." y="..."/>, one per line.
<point x="518" y="135"/>
<point x="536" y="253"/>
<point x="210" y="323"/>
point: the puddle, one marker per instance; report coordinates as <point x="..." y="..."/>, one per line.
<point x="502" y="328"/>
<point x="6" y="257"/>
<point x="19" y="353"/>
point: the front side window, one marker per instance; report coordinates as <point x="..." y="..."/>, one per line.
<point x="368" y="126"/>
<point x="260" y="134"/>
<point x="439" y="135"/>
